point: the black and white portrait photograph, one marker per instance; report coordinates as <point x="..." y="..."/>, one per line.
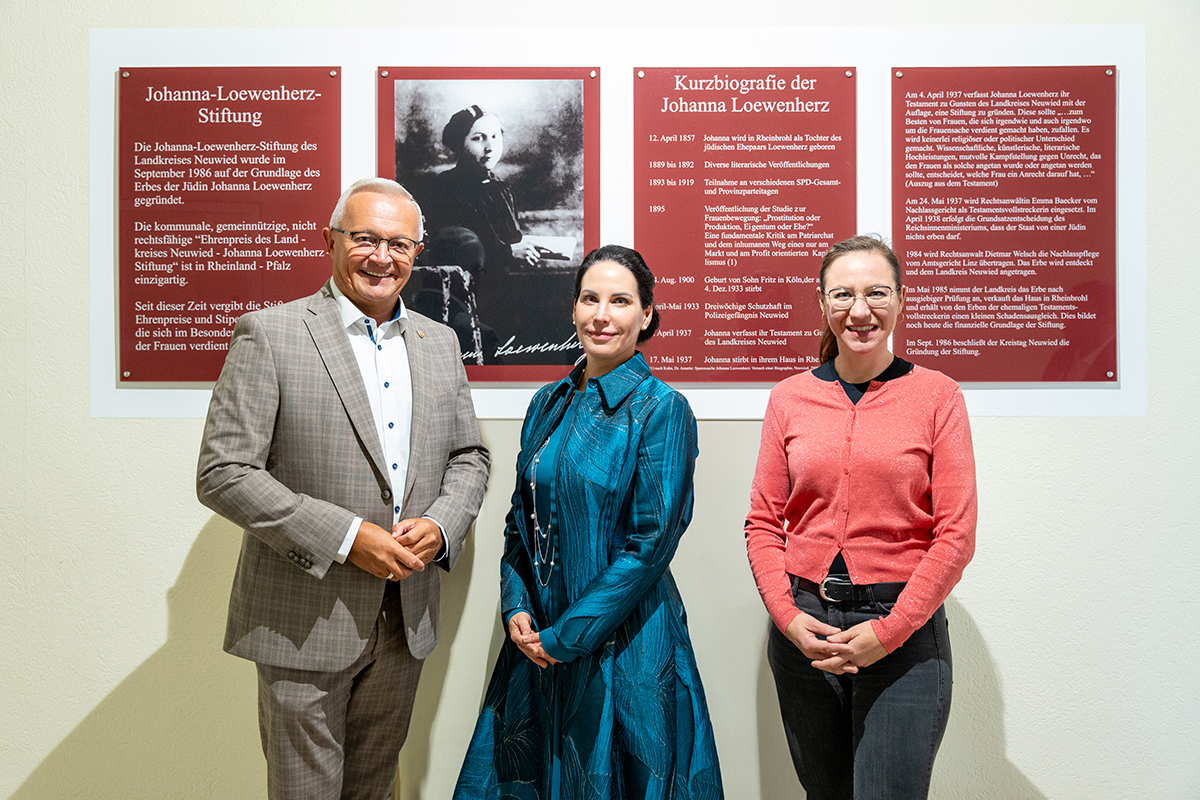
<point x="497" y="168"/>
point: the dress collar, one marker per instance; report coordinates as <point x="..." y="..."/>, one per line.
<point x="616" y="384"/>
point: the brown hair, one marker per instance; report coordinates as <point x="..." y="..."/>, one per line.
<point x="867" y="243"/>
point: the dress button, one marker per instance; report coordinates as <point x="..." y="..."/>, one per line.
<point x="386" y="494"/>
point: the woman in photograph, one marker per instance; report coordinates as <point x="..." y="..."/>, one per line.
<point x="471" y="196"/>
<point x="596" y="692"/>
<point x="862" y="518"/>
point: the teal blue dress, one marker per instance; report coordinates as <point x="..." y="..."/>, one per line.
<point x="623" y="715"/>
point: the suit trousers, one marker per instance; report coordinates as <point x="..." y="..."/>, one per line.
<point x="337" y="735"/>
<point x="871" y="735"/>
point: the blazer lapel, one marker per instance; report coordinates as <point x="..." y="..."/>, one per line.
<point x="419" y="365"/>
<point x="329" y="335"/>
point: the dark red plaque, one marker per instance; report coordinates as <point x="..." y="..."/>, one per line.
<point x="227" y="176"/>
<point x="742" y="180"/>
<point x="1004" y="214"/>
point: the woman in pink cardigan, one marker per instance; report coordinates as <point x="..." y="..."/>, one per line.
<point x="862" y="518"/>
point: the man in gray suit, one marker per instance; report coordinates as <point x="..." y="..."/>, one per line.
<point x="341" y="437"/>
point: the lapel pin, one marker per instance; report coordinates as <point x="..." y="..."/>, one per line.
<point x="421" y="334"/>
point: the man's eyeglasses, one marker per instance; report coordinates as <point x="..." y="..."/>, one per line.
<point x="400" y="247"/>
<point x="875" y="296"/>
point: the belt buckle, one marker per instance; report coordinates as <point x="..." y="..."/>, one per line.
<point x="836" y="589"/>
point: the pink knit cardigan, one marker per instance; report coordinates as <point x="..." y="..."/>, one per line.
<point x="890" y="482"/>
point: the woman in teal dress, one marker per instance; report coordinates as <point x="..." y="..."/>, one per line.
<point x="596" y="693"/>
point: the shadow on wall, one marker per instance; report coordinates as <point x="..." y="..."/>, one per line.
<point x="416" y="755"/>
<point x="971" y="760"/>
<point x="183" y="724"/>
<point x="416" y="759"/>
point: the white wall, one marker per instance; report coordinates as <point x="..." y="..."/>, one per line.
<point x="1075" y="629"/>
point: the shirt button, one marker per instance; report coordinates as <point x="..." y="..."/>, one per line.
<point x="391" y="424"/>
<point x="397" y="509"/>
<point x="394" y="466"/>
<point x="378" y="347"/>
<point x="386" y="384"/>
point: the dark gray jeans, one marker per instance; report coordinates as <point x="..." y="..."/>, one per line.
<point x="869" y="736"/>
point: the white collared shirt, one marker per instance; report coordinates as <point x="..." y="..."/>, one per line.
<point x="382" y="357"/>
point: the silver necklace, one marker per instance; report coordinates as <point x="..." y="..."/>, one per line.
<point x="543" y="545"/>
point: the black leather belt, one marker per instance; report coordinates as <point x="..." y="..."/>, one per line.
<point x="839" y="589"/>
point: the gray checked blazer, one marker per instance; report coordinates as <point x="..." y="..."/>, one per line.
<point x="291" y="454"/>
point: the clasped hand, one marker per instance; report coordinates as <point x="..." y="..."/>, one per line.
<point x="411" y="545"/>
<point x="529" y="641"/>
<point x="841" y="651"/>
